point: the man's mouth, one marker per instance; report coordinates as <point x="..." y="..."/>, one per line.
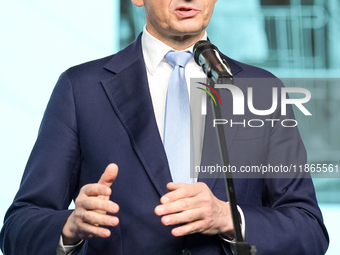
<point x="185" y="12"/>
<point x="184" y="9"/>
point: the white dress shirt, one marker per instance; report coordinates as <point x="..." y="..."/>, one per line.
<point x="158" y="72"/>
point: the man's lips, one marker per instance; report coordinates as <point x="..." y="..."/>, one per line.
<point x="186" y="12"/>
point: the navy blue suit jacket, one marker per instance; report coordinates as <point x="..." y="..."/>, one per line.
<point x="101" y="112"/>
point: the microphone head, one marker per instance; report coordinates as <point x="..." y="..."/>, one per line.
<point x="199" y="47"/>
<point x="207" y="56"/>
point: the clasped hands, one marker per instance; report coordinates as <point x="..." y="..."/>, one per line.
<point x="193" y="206"/>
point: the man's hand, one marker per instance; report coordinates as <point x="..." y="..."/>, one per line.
<point x="92" y="204"/>
<point x="195" y="205"/>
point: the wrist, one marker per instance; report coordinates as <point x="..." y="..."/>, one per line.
<point x="227" y="228"/>
<point x="70" y="240"/>
<point x="68" y="236"/>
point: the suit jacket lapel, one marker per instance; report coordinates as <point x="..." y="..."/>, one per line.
<point x="128" y="92"/>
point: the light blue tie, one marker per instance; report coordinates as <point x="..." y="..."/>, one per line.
<point x="177" y="119"/>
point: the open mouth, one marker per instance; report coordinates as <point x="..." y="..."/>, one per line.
<point x="184" y="9"/>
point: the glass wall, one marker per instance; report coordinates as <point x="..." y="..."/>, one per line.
<point x="38" y="41"/>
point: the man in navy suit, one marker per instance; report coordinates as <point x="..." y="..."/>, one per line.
<point x="109" y="110"/>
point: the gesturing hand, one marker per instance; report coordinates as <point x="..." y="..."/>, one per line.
<point x="92" y="204"/>
<point x="195" y="205"/>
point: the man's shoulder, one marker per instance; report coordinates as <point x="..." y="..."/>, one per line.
<point x="243" y="70"/>
<point x="113" y="63"/>
<point x="90" y="67"/>
<point x="250" y="71"/>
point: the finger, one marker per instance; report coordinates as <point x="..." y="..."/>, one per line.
<point x="176" y="206"/>
<point x="87" y="230"/>
<point x="183" y="217"/>
<point x="180" y="191"/>
<point x="96" y="190"/>
<point x="95" y="218"/>
<point x="95" y="203"/>
<point x="109" y="175"/>
<point x="190" y="228"/>
<point x="173" y="186"/>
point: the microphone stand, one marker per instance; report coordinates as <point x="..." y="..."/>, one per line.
<point x="242" y="247"/>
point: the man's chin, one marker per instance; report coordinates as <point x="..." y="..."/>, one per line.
<point x="188" y="28"/>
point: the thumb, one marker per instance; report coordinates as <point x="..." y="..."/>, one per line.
<point x="109" y="175"/>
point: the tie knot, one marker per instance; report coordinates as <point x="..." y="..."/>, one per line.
<point x="178" y="58"/>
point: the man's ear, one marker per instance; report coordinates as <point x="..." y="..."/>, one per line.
<point x="138" y="3"/>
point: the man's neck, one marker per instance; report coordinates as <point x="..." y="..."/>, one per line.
<point x="178" y="42"/>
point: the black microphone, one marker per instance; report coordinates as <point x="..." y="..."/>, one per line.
<point x="207" y="56"/>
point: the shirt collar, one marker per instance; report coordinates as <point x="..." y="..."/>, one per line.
<point x="154" y="50"/>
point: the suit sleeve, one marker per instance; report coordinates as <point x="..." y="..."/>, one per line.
<point x="289" y="220"/>
<point x="34" y="221"/>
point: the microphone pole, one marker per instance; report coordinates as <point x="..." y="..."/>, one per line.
<point x="218" y="72"/>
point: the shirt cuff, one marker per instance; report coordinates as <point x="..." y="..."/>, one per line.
<point x="243" y="227"/>
<point x="66" y="249"/>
